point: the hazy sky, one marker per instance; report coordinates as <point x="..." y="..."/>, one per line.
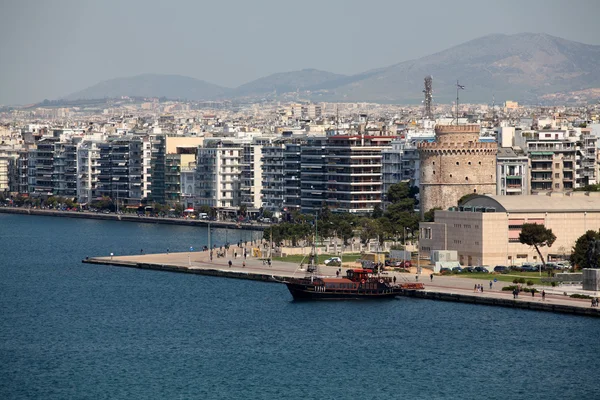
<point x="49" y="49"/>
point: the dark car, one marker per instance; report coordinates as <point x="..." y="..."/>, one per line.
<point x="468" y="269"/>
<point x="501" y="269"/>
<point x="529" y="268"/>
<point x="457" y="270"/>
<point x="481" y="269"/>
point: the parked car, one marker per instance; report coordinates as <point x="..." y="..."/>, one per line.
<point x="468" y="269"/>
<point x="501" y="269"/>
<point x="333" y="261"/>
<point x="529" y="268"/>
<point x="445" y="271"/>
<point x="481" y="269"/>
<point x="457" y="270"/>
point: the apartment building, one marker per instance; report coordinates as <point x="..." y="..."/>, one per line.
<point x="273" y="189"/>
<point x="313" y="174"/>
<point x="174" y="164"/>
<point x="123" y="163"/>
<point x="64" y="175"/>
<point x="43" y="160"/>
<point x="252" y="175"/>
<point x="218" y="174"/>
<point x="354" y="172"/>
<point x="561" y="160"/>
<point x="292" y="188"/>
<point x="512" y="172"/>
<point x="88" y="169"/>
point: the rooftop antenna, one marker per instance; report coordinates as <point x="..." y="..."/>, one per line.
<point x="428" y="97"/>
<point x="458" y="87"/>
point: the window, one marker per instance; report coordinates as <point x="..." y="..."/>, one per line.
<point x="450" y="175"/>
<point x="457" y="163"/>
<point x="466" y="178"/>
<point x="557" y="165"/>
<point x="557" y="186"/>
<point x="557" y="175"/>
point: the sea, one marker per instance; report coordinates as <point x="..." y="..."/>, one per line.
<point x="77" y="331"/>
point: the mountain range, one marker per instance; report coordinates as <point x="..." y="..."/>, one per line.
<point x="526" y="67"/>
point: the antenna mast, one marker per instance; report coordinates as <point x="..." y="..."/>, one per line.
<point x="428" y="97"/>
<point x="458" y="87"/>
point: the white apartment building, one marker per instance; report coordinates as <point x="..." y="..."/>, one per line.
<point x="218" y="174"/>
<point x="88" y="154"/>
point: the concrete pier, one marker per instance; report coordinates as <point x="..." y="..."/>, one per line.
<point x="445" y="288"/>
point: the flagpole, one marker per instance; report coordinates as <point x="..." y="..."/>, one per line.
<point x="457" y="87"/>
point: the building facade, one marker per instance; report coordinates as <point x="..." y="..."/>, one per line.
<point x="485" y="229"/>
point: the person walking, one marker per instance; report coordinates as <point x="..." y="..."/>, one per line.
<point x="431" y="277"/>
<point x="475" y="288"/>
<point x="543" y="295"/>
<point x="244" y="264"/>
<point x="417" y="278"/>
<point x="230" y="263"/>
<point x="394" y="279"/>
<point x="514" y="293"/>
<point x="491" y="283"/>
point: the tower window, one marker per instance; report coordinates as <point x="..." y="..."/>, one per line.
<point x="457" y="163"/>
<point x="466" y="178"/>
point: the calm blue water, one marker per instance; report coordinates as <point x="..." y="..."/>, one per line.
<point x="75" y="331"/>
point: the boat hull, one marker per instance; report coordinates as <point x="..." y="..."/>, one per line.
<point x="307" y="292"/>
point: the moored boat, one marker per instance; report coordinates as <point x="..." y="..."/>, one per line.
<point x="356" y="285"/>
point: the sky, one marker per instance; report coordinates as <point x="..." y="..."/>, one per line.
<point x="49" y="49"/>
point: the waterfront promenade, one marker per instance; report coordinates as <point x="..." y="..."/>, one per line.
<point x="133" y="218"/>
<point x="446" y="288"/>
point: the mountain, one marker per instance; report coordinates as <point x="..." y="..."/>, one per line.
<point x="526" y="67"/>
<point x="521" y="67"/>
<point x="286" y="82"/>
<point x="152" y="85"/>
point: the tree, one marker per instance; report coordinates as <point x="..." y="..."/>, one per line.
<point x="377" y="212"/>
<point x="400" y="191"/>
<point x="537" y="236"/>
<point x="429" y="216"/>
<point x="586" y="250"/>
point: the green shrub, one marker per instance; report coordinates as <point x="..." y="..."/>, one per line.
<point x="526" y="290"/>
<point x="521" y="280"/>
<point x="509" y="288"/>
<point x="529" y="283"/>
<point x="516" y="280"/>
<point x="580" y="296"/>
<point x="553" y="284"/>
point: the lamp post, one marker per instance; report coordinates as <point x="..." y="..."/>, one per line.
<point x="406" y="229"/>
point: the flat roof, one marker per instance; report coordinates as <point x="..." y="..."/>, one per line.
<point x="553" y="202"/>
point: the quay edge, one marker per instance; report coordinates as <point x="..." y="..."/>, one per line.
<point x="132" y="218"/>
<point x="494" y="301"/>
<point x="421" y="294"/>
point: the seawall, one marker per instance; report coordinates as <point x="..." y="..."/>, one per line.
<point x="132" y="218"/>
<point x="197" y="263"/>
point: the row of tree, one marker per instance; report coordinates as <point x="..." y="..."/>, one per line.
<point x="398" y="221"/>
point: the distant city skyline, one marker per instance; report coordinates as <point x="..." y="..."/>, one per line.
<point x="51" y="49"/>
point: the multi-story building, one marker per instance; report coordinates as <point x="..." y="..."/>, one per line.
<point x="400" y="163"/>
<point x="121" y="169"/>
<point x="8" y="169"/>
<point x="252" y="179"/>
<point x="354" y="172"/>
<point x="313" y="174"/>
<point x="64" y="175"/>
<point x="88" y="154"/>
<point x="44" y="167"/>
<point x="218" y="174"/>
<point x="23" y="172"/>
<point x="512" y="172"/>
<point x="291" y="175"/>
<point x="175" y="163"/>
<point x="273" y="189"/>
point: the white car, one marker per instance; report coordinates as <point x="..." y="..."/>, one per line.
<point x="332" y="260"/>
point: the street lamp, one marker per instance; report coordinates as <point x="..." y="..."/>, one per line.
<point x="406" y="229"/>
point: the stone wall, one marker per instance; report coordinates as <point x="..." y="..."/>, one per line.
<point x="456" y="165"/>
